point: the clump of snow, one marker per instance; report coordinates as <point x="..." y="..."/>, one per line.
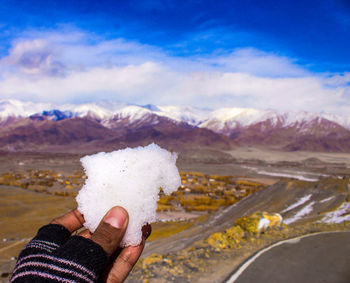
<point x="130" y="178"/>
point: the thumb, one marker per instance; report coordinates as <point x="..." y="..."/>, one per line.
<point x="111" y="229"/>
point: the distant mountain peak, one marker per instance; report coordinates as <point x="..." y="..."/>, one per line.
<point x="55" y="114"/>
<point x="151" y="107"/>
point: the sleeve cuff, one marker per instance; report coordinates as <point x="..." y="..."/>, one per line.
<point x="53" y="233"/>
<point x="84" y="252"/>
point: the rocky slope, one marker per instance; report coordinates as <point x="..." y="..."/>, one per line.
<point x="296" y="201"/>
<point x="210" y="251"/>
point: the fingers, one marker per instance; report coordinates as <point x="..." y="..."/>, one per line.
<point x="111" y="229"/>
<point x="73" y="220"/>
<point x="86" y="234"/>
<point x="124" y="263"/>
<point x="126" y="259"/>
<point x="108" y="235"/>
<point x="146" y="231"/>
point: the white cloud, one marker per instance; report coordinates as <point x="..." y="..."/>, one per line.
<point x="34" y="57"/>
<point x="74" y="66"/>
<point x="256" y="62"/>
<point x="338" y="79"/>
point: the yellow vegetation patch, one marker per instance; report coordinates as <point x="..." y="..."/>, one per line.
<point x="235" y="233"/>
<point x="274" y="218"/>
<point x="165" y="207"/>
<point x="229" y="239"/>
<point x="167" y="229"/>
<point x="202" y="207"/>
<point x="219" y="241"/>
<point x="247" y="183"/>
<point x="153" y="258"/>
<point x="202" y="192"/>
<point x="250" y="223"/>
<point x="42" y="181"/>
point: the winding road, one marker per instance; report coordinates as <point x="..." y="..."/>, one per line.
<point x="319" y="257"/>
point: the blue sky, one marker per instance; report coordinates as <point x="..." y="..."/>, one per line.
<point x="288" y="55"/>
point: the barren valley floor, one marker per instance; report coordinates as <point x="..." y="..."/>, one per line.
<point x="273" y="174"/>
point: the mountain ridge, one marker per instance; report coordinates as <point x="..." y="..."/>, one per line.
<point x="189" y="114"/>
<point x="102" y="124"/>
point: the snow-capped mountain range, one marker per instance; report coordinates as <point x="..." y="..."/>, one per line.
<point x="216" y="120"/>
<point x="123" y="124"/>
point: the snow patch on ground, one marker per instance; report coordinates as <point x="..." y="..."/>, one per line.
<point x="304" y="211"/>
<point x="299" y="177"/>
<point x="338" y="216"/>
<point x="298" y="203"/>
<point x="263" y="224"/>
<point x="327" y="199"/>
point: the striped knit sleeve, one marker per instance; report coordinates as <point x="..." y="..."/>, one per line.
<point x="54" y="256"/>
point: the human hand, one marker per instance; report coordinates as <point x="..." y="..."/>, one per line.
<point x="56" y="255"/>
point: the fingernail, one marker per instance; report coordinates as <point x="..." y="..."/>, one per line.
<point x="115" y="217"/>
<point x="146" y="231"/>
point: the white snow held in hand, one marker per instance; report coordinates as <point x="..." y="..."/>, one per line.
<point x="130" y="178"/>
